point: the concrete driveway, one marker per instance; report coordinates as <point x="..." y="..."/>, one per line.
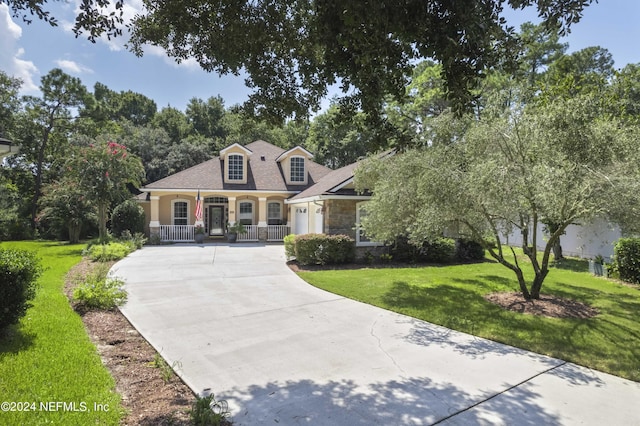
<point x="240" y="323"/>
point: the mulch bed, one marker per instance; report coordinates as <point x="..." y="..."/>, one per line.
<point x="547" y="305"/>
<point x="149" y="398"/>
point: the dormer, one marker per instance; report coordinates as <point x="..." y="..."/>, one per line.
<point x="295" y="165"/>
<point x="236" y="160"/>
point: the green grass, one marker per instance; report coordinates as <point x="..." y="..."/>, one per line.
<point x="452" y="296"/>
<point x="48" y="358"/>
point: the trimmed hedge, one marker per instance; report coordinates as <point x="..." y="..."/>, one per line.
<point x="627" y="259"/>
<point x="439" y="250"/>
<point x="320" y="249"/>
<point x="290" y="246"/>
<point x="19" y="272"/>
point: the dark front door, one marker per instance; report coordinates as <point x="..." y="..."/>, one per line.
<point x="216" y="220"/>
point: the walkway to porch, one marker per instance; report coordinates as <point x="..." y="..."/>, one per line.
<point x="185" y="233"/>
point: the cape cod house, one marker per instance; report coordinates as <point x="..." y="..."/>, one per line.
<point x="272" y="191"/>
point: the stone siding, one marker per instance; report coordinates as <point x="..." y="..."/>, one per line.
<point x="340" y="217"/>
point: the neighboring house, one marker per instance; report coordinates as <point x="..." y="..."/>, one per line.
<point x="586" y="240"/>
<point x="272" y="191"/>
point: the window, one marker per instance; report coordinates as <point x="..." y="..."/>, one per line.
<point x="274" y="213"/>
<point x="297" y="169"/>
<point x="236" y="167"/>
<point x="216" y="200"/>
<point x="245" y="215"/>
<point x="180" y="212"/>
<point x="361" y="237"/>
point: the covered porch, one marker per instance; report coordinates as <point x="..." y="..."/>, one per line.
<point x="172" y="215"/>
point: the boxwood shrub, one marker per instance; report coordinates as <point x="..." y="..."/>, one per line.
<point x="19" y="272"/>
<point x="627" y="259"/>
<point x="320" y="249"/>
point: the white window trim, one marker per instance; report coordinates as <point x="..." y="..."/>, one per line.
<point x="253" y="210"/>
<point x="304" y="170"/>
<point x="358" y="242"/>
<point x="173" y="210"/>
<point x="281" y="204"/>
<point x="244" y="166"/>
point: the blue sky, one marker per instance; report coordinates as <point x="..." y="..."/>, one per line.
<point x="30" y="51"/>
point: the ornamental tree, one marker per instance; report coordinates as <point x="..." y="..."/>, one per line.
<point x="562" y="164"/>
<point x="103" y="171"/>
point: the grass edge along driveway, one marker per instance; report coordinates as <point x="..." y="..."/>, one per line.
<point x="452" y="296"/>
<point x="50" y="371"/>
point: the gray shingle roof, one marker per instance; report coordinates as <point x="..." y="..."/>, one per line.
<point x="328" y="182"/>
<point x="264" y="173"/>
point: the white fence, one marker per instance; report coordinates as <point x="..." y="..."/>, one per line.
<point x="277" y="232"/>
<point x="176" y="233"/>
<point x="250" y="235"/>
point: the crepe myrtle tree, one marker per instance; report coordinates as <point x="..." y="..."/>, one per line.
<point x="104" y="170"/>
<point x="510" y="173"/>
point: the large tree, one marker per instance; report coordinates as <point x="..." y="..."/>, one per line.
<point x="507" y="174"/>
<point x="292" y="51"/>
<point x="47" y="123"/>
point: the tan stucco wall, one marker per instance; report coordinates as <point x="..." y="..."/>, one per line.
<point x="166" y="198"/>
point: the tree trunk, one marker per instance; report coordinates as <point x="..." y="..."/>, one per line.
<point x="523" y="285"/>
<point x="557" y="250"/>
<point x="74" y="233"/>
<point x="102" y="221"/>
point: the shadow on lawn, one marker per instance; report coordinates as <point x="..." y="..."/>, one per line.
<point x="14" y="340"/>
<point x="414" y="400"/>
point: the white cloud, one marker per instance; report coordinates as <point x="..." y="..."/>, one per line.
<point x="73" y="67"/>
<point x="11" y="52"/>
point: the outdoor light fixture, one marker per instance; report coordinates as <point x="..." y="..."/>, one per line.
<point x="7" y="147"/>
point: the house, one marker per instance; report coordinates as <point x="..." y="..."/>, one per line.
<point x="272" y="191"/>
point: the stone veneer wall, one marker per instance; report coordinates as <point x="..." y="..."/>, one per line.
<point x="340" y="217"/>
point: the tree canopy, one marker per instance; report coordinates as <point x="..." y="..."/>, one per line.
<point x="293" y="51"/>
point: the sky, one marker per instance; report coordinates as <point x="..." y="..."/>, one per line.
<point x="30" y="51"/>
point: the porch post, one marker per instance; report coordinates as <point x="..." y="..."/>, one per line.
<point x="154" y="224"/>
<point x="263" y="233"/>
<point x="232" y="210"/>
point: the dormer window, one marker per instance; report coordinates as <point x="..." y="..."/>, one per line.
<point x="236" y="167"/>
<point x="297" y="169"/>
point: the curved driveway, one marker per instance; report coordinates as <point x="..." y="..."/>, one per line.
<point x="237" y="321"/>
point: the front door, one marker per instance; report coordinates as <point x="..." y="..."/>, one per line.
<point x="215" y="220"/>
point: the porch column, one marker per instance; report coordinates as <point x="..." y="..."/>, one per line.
<point x="262" y="211"/>
<point x="263" y="232"/>
<point x="154" y="223"/>
<point x="232" y="210"/>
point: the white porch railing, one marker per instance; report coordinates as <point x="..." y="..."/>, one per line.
<point x="250" y="235"/>
<point x="184" y="233"/>
<point x="277" y="232"/>
<point x="176" y="233"/>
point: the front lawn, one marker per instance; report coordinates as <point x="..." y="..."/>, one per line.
<point x="50" y="372"/>
<point x="452" y="296"/>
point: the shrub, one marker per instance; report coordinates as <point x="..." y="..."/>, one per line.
<point x="440" y="250"/>
<point x="320" y="249"/>
<point x="627" y="259"/>
<point x="19" y="272"/>
<point x="111" y="251"/>
<point x="127" y="216"/>
<point x="290" y="246"/>
<point x="469" y="250"/>
<point x="99" y="291"/>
